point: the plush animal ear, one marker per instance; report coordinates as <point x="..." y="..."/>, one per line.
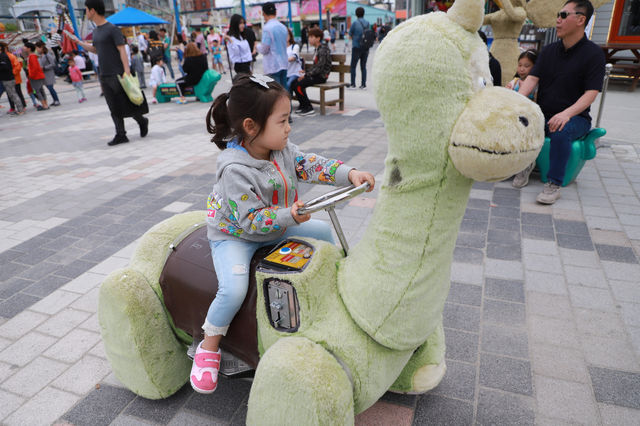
<point x="468" y="14"/>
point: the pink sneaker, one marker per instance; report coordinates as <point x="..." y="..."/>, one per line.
<point x="204" y="372"/>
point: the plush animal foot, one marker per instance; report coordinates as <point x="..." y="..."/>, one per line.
<point x="426" y="368"/>
<point x="426" y="378"/>
<point x="299" y="383"/>
<point x="141" y="347"/>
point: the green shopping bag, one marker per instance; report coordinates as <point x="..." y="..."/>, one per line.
<point x="131" y="87"/>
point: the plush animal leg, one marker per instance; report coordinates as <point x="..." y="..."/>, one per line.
<point x="426" y="368"/>
<point x="299" y="383"/>
<point x="140" y="344"/>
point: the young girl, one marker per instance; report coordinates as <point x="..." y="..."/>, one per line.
<point x="255" y="201"/>
<point x="76" y="80"/>
<point x="216" y="51"/>
<point x="157" y="76"/>
<point x="526" y="60"/>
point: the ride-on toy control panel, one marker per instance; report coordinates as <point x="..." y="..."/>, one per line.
<point x="281" y="300"/>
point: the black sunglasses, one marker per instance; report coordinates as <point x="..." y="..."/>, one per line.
<point x="565" y="15"/>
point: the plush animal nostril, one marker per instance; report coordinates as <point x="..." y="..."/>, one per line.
<point x="524" y="120"/>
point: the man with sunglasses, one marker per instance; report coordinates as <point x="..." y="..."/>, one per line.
<point x="569" y="75"/>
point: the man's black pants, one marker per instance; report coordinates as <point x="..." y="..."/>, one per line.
<point x="300" y="88"/>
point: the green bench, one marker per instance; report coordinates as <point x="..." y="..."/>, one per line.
<point x="582" y="149"/>
<point x="202" y="90"/>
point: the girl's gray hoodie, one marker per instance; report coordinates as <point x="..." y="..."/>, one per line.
<point x="252" y="198"/>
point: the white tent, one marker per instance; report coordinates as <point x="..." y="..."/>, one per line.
<point x="27" y="6"/>
<point x="31" y="7"/>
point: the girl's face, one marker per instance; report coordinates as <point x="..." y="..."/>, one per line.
<point x="524" y="67"/>
<point x="39" y="49"/>
<point x="275" y="134"/>
<point x="241" y="26"/>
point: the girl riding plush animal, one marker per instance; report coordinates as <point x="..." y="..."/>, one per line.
<point x="254" y="202"/>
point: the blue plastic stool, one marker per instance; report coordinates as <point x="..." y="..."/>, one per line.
<point x="582" y="149"/>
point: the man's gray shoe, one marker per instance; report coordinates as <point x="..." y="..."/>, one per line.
<point x="550" y="193"/>
<point x="522" y="179"/>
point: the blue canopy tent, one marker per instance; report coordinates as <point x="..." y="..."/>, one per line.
<point x="130" y="16"/>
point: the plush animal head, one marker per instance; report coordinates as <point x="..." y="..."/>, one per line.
<point x="432" y="84"/>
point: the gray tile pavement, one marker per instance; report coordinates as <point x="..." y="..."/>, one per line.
<point x="542" y="320"/>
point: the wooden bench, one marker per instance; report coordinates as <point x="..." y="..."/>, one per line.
<point x="337" y="67"/>
<point x="629" y="70"/>
<point x="88" y="74"/>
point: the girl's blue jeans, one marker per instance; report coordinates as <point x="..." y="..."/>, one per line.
<point x="231" y="260"/>
<point x="290" y="80"/>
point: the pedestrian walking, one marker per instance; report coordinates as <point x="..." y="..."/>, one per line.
<point x="274" y="46"/>
<point x="8" y="80"/>
<point x="16" y="63"/>
<point x="166" y="45"/>
<point x="304" y="37"/>
<point x="137" y="65"/>
<point x="36" y="77"/>
<point x="48" y="63"/>
<point x="108" y="43"/>
<point x="76" y="80"/>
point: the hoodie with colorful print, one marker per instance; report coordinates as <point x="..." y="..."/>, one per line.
<point x="252" y="198"/>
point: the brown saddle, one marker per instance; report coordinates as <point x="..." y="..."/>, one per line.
<point x="189" y="285"/>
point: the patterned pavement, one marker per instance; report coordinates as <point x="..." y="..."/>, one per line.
<point x="542" y="321"/>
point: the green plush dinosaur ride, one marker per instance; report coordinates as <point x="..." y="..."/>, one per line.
<point x="371" y="321"/>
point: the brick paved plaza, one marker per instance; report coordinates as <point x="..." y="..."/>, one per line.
<point x="542" y="321"/>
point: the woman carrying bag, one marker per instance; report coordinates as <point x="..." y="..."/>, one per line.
<point x="48" y="64"/>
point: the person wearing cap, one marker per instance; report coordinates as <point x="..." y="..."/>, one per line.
<point x="274" y="46"/>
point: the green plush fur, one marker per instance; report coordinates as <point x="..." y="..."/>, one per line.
<point x="371" y="321"/>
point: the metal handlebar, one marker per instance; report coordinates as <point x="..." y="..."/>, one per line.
<point x="331" y="198"/>
<point x="605" y="85"/>
<point x="328" y="201"/>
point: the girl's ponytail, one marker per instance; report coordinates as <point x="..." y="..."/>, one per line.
<point x="218" y="123"/>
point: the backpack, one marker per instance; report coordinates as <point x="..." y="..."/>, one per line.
<point x="5" y="64"/>
<point x="155" y="50"/>
<point x="368" y="37"/>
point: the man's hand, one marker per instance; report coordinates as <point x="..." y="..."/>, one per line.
<point x="294" y="212"/>
<point x="558" y="121"/>
<point x="358" y="177"/>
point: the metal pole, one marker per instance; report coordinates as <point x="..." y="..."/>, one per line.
<point x="176" y="10"/>
<point x="244" y="12"/>
<point x="290" y="19"/>
<point x="72" y="16"/>
<point x="320" y="14"/>
<point x="338" y="228"/>
<point x="605" y="84"/>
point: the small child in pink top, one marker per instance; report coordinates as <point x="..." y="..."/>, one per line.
<point x="76" y="79"/>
